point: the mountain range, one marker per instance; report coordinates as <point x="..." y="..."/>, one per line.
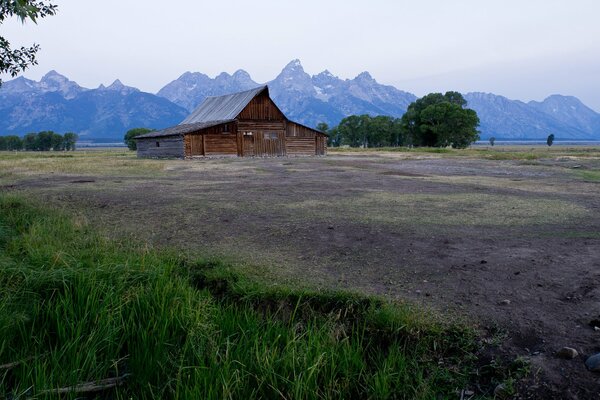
<point x="59" y="104"/>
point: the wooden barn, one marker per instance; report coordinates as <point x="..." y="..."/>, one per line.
<point x="245" y="124"/>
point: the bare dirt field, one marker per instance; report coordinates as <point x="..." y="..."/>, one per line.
<point x="508" y="242"/>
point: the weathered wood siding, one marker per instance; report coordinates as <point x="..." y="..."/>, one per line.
<point x="261" y="108"/>
<point x="220" y="140"/>
<point x="220" y="144"/>
<point x="262" y="138"/>
<point x="303" y="141"/>
<point x="168" y="147"/>
<point x="321" y="145"/>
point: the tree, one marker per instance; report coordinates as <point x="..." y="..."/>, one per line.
<point x="13" y="142"/>
<point x="492" y="141"/>
<point x="550" y="139"/>
<point x="13" y="61"/>
<point x="69" y="141"/>
<point x="58" y="142"/>
<point x="30" y="141"/>
<point x="323" y="127"/>
<point x="438" y="120"/>
<point x="128" y="138"/>
<point x="44" y="141"/>
<point x="367" y="131"/>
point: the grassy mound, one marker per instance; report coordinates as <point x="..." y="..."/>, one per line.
<point x="84" y="315"/>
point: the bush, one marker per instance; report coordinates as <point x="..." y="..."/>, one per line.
<point x="129" y="136"/>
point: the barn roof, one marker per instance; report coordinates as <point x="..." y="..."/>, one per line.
<point x="181" y="129"/>
<point x="223" y="107"/>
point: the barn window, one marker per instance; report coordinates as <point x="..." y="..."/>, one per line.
<point x="157" y="144"/>
<point x="271" y="135"/>
<point x="226" y="128"/>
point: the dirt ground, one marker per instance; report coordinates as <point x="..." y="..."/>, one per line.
<point x="512" y="245"/>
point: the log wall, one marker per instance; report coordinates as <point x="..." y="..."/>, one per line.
<point x="168" y="147"/>
<point x="304" y="141"/>
<point x="220" y="144"/>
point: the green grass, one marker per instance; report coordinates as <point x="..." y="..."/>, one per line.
<point x="589" y="175"/>
<point x="78" y="307"/>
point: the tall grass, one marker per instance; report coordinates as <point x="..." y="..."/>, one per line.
<point x="78" y="307"/>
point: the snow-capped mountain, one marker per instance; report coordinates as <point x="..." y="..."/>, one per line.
<point x="52" y="82"/>
<point x="191" y="88"/>
<point x="308" y="99"/>
<point x="56" y="103"/>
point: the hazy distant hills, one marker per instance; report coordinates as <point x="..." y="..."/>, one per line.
<point x="56" y="103"/>
<point x="513" y="119"/>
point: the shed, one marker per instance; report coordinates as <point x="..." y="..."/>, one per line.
<point x="244" y="124"/>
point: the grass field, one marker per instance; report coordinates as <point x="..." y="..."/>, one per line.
<point x="78" y="307"/>
<point x="365" y="274"/>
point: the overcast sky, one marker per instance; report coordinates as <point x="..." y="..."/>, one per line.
<point x="522" y="49"/>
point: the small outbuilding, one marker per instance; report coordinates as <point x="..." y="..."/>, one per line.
<point x="245" y="124"/>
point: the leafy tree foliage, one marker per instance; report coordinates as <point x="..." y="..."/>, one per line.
<point x="30" y="141"/>
<point x="323" y="127"/>
<point x="13" y="61"/>
<point x="42" y="141"/>
<point x="550" y="139"/>
<point x="70" y="140"/>
<point x="440" y="120"/>
<point x="367" y="131"/>
<point x="11" y="142"/>
<point x="128" y="138"/>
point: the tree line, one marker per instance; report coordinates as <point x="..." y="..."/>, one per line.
<point x="41" y="141"/>
<point x="435" y="120"/>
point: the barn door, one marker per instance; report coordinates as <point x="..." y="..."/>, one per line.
<point x="248" y="145"/>
<point x="197" y="145"/>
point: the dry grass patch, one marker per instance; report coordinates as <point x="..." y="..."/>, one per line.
<point x="105" y="163"/>
<point x="444" y="209"/>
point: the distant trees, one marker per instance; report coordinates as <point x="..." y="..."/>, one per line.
<point x="492" y="141"/>
<point x="366" y="131"/>
<point x="70" y="141"/>
<point x="550" y="139"/>
<point x="436" y="120"/>
<point x="11" y="142"/>
<point x="440" y="120"/>
<point x="128" y="138"/>
<point x="42" y="141"/>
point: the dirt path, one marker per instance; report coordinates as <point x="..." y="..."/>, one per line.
<point x="512" y="244"/>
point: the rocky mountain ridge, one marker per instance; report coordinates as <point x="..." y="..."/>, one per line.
<point x="57" y="103"/>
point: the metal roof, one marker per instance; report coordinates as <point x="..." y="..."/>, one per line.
<point x="182" y="129"/>
<point x="223" y="107"/>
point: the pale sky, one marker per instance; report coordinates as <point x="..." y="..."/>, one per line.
<point x="525" y="49"/>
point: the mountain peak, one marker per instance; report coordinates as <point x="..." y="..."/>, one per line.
<point x="325" y="75"/>
<point x="364" y="76"/>
<point x="53" y="76"/>
<point x="294" y="65"/>
<point x="116" y="85"/>
<point x="55" y="82"/>
<point x="240" y="73"/>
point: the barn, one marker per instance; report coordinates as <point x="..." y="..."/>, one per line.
<point x="245" y="124"/>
